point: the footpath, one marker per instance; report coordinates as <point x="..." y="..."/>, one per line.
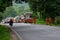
<point x="13" y="36"/>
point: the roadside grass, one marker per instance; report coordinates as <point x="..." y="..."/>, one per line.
<point x="56" y="25"/>
<point x="4" y="33"/>
<point x="40" y="21"/>
<point x="44" y="23"/>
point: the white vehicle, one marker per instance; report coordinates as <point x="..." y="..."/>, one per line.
<point x="7" y="20"/>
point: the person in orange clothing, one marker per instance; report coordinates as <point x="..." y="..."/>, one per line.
<point x="34" y="20"/>
<point x="47" y="21"/>
<point x="50" y="20"/>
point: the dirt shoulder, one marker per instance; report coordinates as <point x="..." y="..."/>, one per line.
<point x="13" y="36"/>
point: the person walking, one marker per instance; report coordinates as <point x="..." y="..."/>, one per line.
<point x="11" y="22"/>
<point x="50" y="20"/>
<point x="47" y="21"/>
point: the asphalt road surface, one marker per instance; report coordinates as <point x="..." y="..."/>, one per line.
<point x="37" y="32"/>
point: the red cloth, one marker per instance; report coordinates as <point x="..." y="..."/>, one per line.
<point x="30" y="20"/>
<point x="47" y="21"/>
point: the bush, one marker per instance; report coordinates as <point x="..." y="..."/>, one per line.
<point x="4" y="33"/>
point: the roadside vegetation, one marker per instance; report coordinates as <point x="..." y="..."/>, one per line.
<point x="38" y="21"/>
<point x="4" y="33"/>
<point x="40" y="10"/>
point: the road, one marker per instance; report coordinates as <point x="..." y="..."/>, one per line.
<point x="37" y="32"/>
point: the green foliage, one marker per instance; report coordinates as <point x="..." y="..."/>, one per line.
<point x="33" y="15"/>
<point x="1" y="16"/>
<point x="38" y="21"/>
<point x="47" y="8"/>
<point x="4" y="33"/>
<point x="10" y="12"/>
<point x="4" y="4"/>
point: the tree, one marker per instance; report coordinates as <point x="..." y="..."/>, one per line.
<point x="4" y="4"/>
<point x="1" y="16"/>
<point x="10" y="12"/>
<point x="47" y="8"/>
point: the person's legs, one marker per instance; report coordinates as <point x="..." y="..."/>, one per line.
<point x="11" y="24"/>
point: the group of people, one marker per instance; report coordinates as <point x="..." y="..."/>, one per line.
<point x="48" y="21"/>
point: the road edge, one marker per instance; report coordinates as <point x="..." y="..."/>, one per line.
<point x="20" y="38"/>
